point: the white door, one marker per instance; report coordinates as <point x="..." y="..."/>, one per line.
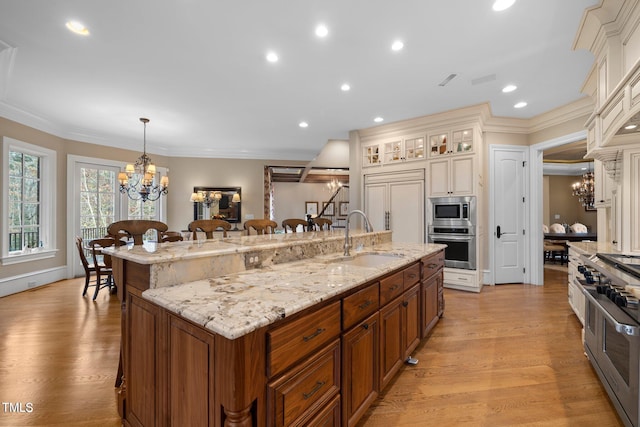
<point x="406" y="213"/>
<point x="508" y="189"/>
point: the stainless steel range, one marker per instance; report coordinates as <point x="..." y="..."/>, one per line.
<point x="612" y="327"/>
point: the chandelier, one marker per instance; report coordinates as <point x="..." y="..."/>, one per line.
<point x="138" y="180"/>
<point x="584" y="190"/>
<point x="207" y="197"/>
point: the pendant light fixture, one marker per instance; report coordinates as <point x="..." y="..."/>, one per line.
<point x="138" y="181"/>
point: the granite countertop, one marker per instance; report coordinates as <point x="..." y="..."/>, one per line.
<point x="153" y="253"/>
<point x="590" y="248"/>
<point x="236" y="304"/>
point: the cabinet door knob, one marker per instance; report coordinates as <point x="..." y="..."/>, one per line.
<point x="405" y="303"/>
<point x="365" y="326"/>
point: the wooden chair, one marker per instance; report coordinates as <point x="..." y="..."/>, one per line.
<point x="209" y="226"/>
<point x="89" y="267"/>
<point x="104" y="272"/>
<point x="261" y="226"/>
<point x="323" y="223"/>
<point x="553" y="249"/>
<point x="171" y="236"/>
<point x="136" y="228"/>
<point x="293" y="224"/>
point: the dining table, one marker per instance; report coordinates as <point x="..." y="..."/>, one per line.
<point x="571" y="237"/>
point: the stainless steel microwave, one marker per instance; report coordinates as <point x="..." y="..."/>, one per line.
<point x="453" y="210"/>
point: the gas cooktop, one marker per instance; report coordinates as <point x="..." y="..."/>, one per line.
<point x="627" y="263"/>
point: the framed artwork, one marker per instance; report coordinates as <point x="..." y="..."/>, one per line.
<point x="329" y="208"/>
<point x="589" y="208"/>
<point x="311" y="208"/>
<point x="343" y="208"/>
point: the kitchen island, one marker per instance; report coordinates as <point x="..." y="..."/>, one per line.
<point x="270" y="330"/>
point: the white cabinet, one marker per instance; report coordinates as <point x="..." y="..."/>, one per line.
<point x="395" y="201"/>
<point x="630" y="202"/>
<point x="603" y="185"/>
<point x="394" y="151"/>
<point x="574" y="289"/>
<point x="453" y="142"/>
<point x="451" y="176"/>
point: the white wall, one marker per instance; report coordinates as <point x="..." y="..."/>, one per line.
<point x="290" y="198"/>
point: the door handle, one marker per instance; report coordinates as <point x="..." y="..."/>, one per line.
<point x="498" y="233"/>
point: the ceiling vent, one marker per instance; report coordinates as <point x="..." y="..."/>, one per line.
<point x="485" y="79"/>
<point x="447" y="80"/>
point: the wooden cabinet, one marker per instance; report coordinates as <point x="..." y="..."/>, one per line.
<point x="451" y="176"/>
<point x="431" y="292"/>
<point x="395" y="201"/>
<point x="322" y="367"/>
<point x="191" y="378"/>
<point x="302" y="393"/>
<point x="143" y="359"/>
<point x="411" y="320"/>
<point x="391" y="340"/>
<point x="359" y="369"/>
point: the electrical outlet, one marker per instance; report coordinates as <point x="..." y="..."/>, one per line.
<point x="248" y="216"/>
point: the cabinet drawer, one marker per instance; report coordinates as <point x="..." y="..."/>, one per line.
<point x="359" y="305"/>
<point x="391" y="287"/>
<point x="300" y="395"/>
<point x="411" y="276"/>
<point x="329" y="416"/>
<point x="301" y="337"/>
<point x="432" y="263"/>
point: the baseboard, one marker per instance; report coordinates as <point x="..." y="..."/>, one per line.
<point x="23" y="282"/>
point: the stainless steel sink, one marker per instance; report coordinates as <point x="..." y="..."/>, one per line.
<point x="368" y="259"/>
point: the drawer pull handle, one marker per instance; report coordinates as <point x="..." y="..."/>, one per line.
<point x="313" y="335"/>
<point x="314" y="390"/>
<point x="365" y="304"/>
<point x="394" y="287"/>
<point x="412" y="276"/>
<point x="432" y="265"/>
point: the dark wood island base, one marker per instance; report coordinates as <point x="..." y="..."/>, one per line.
<point x="322" y="366"/>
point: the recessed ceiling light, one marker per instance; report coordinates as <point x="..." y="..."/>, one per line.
<point x="397" y="45"/>
<point x="303" y="124"/>
<point x="77" y="27"/>
<point x="272" y="57"/>
<point x="520" y="104"/>
<point x="500" y="5"/>
<point x="509" y="88"/>
<point x="345" y="87"/>
<point x="322" y="30"/>
<point x="378" y="119"/>
<point x="630" y="127"/>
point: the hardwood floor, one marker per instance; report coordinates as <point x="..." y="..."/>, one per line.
<point x="509" y="356"/>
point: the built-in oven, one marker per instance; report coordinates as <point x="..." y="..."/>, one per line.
<point x="612" y="333"/>
<point x="461" y="245"/>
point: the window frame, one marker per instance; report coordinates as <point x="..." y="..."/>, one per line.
<point x="47" y="200"/>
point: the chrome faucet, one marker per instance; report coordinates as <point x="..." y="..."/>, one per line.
<point x="367" y="227"/>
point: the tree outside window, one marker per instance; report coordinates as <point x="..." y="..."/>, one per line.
<point x="24" y="201"/>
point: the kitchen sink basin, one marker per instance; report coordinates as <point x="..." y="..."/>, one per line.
<point x="368" y="259"/>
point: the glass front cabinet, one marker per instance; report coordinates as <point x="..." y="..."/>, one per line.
<point x="394" y="151"/>
<point x="453" y="142"/>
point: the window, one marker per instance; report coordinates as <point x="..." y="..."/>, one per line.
<point x="98" y="197"/>
<point x="28" y="184"/>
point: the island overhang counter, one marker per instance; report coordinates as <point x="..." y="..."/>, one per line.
<point x="275" y="338"/>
